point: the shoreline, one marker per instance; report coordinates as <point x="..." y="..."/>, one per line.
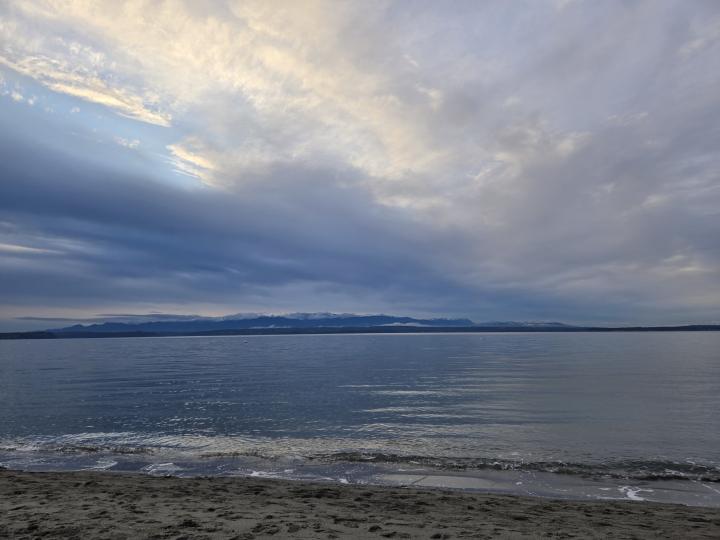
<point x="120" y="505"/>
<point x="574" y="484"/>
<point x="350" y="330"/>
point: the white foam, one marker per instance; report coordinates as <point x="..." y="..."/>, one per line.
<point x="265" y="474"/>
<point x="102" y="465"/>
<point x="632" y="492"/>
<point x="162" y="468"/>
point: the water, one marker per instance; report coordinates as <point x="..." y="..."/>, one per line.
<point x="582" y="415"/>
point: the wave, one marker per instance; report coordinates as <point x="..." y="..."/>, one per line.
<point x="193" y="449"/>
<point x="621" y="469"/>
<point x="78" y="449"/>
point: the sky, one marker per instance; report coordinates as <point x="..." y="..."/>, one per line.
<point x="526" y="160"/>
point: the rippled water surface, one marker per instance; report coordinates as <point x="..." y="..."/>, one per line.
<point x="636" y="406"/>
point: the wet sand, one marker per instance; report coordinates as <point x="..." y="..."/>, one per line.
<point x="122" y="506"/>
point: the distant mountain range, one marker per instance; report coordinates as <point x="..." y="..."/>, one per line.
<point x="129" y="325"/>
<point x="291" y="321"/>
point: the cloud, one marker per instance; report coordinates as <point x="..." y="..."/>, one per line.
<point x="36" y="49"/>
<point x="124" y="236"/>
<point x="85" y="86"/>
<point x="127" y="143"/>
<point x="191" y="162"/>
<point x="532" y="160"/>
<point x="18" y="249"/>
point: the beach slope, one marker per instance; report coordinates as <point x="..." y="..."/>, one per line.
<point x="118" y="506"/>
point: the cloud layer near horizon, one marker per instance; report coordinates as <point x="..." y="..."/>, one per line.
<point x="539" y="160"/>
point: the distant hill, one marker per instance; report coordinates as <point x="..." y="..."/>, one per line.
<point x="315" y="323"/>
<point x="244" y="322"/>
<point x="524" y="324"/>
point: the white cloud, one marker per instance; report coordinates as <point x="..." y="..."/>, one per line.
<point x="23" y="250"/>
<point x="189" y="159"/>
<point x="70" y="67"/>
<point x="127" y="143"/>
<point x="285" y="68"/>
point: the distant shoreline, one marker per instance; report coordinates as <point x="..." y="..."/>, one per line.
<point x="360" y="330"/>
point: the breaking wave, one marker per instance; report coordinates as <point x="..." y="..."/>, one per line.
<point x="625" y="469"/>
<point x="193" y="448"/>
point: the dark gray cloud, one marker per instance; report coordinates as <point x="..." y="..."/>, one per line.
<point x="104" y="238"/>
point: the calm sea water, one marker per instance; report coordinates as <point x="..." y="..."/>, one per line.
<point x="630" y="415"/>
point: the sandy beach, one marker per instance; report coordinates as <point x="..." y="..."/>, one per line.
<point x="119" y="506"/>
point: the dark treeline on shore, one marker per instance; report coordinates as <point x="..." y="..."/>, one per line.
<point x="360" y="330"/>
